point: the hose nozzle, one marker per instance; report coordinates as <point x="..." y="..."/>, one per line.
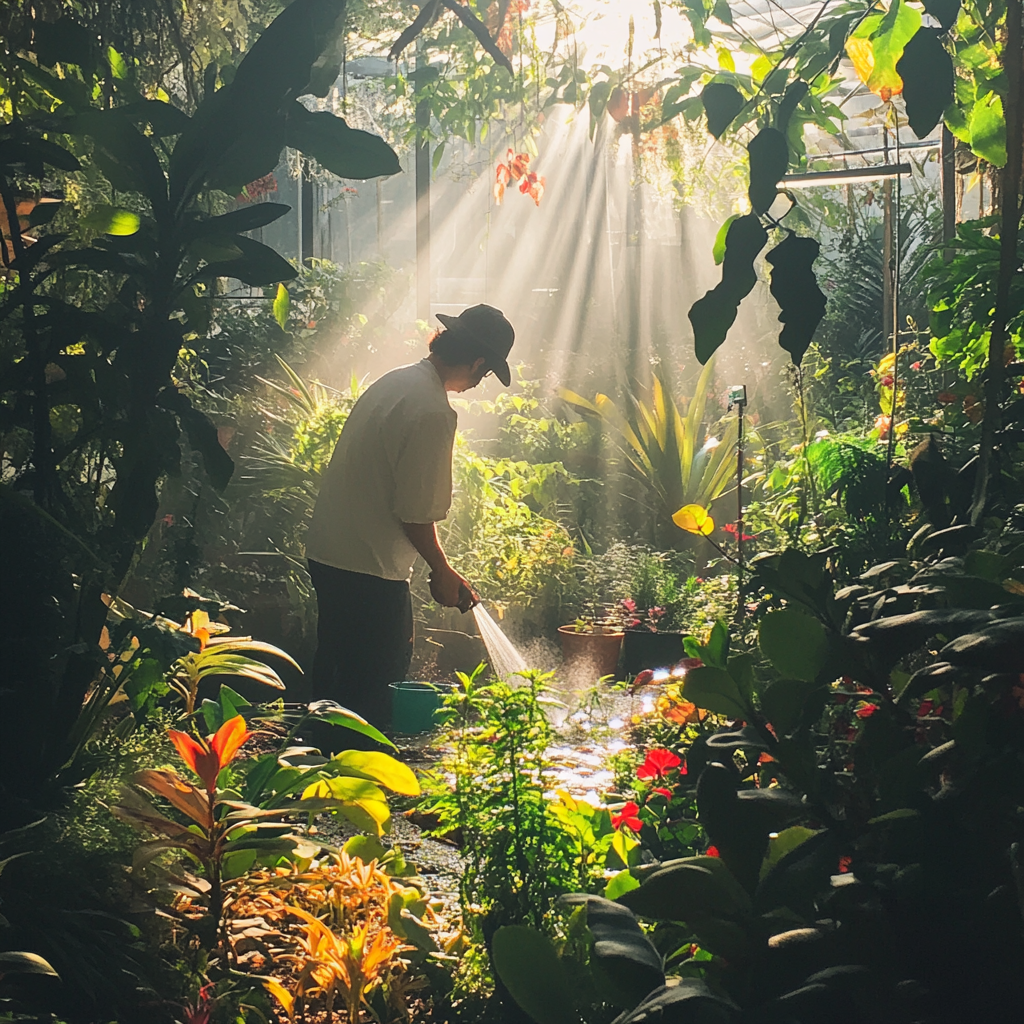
<point x="467" y="599"/>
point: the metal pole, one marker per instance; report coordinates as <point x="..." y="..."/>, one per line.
<point x="739" y="512"/>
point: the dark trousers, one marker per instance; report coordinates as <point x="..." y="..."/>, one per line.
<point x="364" y="642"/>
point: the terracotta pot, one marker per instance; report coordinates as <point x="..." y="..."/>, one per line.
<point x="594" y="653"/>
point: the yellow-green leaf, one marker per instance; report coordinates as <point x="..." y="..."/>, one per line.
<point x="694" y="519"/>
<point x="380" y="767"/>
<point x="112" y="220"/>
<point x="282" y="304"/>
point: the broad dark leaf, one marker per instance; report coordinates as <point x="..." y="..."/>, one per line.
<point x="769" y="158"/>
<point x="65" y="41"/>
<point x="689" y="1002"/>
<point x="795" y="92"/>
<point x="162" y="117"/>
<point x="894" y="637"/>
<point x="795" y="288"/>
<point x="202" y="436"/>
<point x="530" y="968"/>
<point x="237" y="134"/>
<point x="722" y="102"/>
<point x="125" y="153"/>
<point x="927" y="72"/>
<point x="621" y="948"/>
<point x="245" y="218"/>
<point x="347" y="152"/>
<point x="713" y="315"/>
<point x="997" y="648"/>
<point x="259" y="264"/>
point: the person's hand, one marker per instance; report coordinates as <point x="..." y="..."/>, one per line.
<point x="446" y="587"/>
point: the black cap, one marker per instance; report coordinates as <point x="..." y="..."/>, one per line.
<point x="488" y="328"/>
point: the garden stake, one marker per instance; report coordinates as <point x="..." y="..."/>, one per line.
<point x="738" y="397"/>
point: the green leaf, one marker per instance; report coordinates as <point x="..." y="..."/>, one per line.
<point x="784" y="842"/>
<point x="65" y="41"/>
<point x="162" y="117"/>
<point x="380" y="767"/>
<point x="795" y="644"/>
<point x="713" y="315"/>
<point x="245" y="218"/>
<point x="202" y="436"/>
<point x="623" y="956"/>
<point x="620" y="884"/>
<point x="718" y="250"/>
<point x="988" y="130"/>
<point x="258" y="265"/>
<point x="794" y="96"/>
<point x="722" y="102"/>
<point x="332" y="712"/>
<point x="687" y="888"/>
<point x="282" y="303"/>
<point x="25" y="963"/>
<point x="783" y="703"/>
<point x="346" y="152"/>
<point x="435" y="161"/>
<point x="111" y="220"/>
<point x="529" y="967"/>
<point x="366" y="848"/>
<point x="715" y="690"/>
<point x="795" y="288"/>
<point x="769" y="158"/>
<point x="927" y="72"/>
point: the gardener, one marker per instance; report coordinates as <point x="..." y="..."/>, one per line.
<point x="388" y="484"/>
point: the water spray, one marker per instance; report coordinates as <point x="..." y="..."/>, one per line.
<point x="506" y="661"/>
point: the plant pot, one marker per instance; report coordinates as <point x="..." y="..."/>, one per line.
<point x="642" y="649"/>
<point x="414" y="704"/>
<point x="597" y="654"/>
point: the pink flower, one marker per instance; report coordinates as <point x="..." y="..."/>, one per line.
<point x="628" y="817"/>
<point x="657" y="764"/>
<point x="629" y="604"/>
<point x="916" y="366"/>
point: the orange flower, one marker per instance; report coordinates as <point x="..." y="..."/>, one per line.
<point x="207" y="757"/>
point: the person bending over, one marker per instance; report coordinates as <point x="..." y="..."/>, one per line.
<point x="388" y="484"/>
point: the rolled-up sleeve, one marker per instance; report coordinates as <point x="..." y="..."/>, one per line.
<point x="423" y="469"/>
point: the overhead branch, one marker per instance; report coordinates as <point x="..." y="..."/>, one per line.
<point x="479" y="29"/>
<point x="427" y="14"/>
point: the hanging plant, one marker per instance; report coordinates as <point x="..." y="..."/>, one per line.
<point x="516" y="168"/>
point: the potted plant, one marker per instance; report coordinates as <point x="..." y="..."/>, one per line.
<point x="645" y="644"/>
<point x="593" y="643"/>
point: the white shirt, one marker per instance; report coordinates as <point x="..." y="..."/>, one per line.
<point x="392" y="465"/>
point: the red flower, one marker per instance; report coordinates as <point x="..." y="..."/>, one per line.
<point x="689" y="663"/>
<point x="844" y="864"/>
<point x="733" y="528"/>
<point x="916" y="366"/>
<point x="643" y="678"/>
<point x="866" y="710"/>
<point x="207" y="757"/>
<point x="712" y="851"/>
<point x="887" y="381"/>
<point x="661" y="791"/>
<point x="658" y="762"/>
<point x="628" y="817"/>
<point x="925" y="708"/>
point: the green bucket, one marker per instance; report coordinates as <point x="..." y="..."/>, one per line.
<point x="413" y="706"/>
